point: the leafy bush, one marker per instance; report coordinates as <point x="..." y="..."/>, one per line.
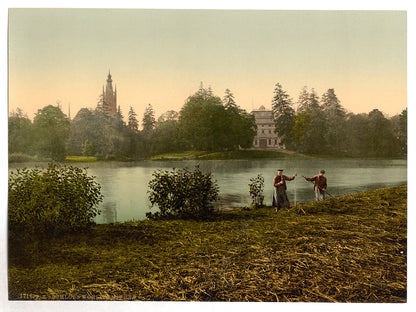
<point x="182" y="193"/>
<point x="59" y="198"/>
<point x="256" y="186"/>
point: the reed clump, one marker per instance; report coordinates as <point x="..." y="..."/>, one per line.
<point x="347" y="249"/>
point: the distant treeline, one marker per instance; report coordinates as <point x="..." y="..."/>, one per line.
<point x="207" y="122"/>
<point x="322" y="126"/>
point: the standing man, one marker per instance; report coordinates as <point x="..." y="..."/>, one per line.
<point x="320" y="184"/>
<point x="280" y="199"/>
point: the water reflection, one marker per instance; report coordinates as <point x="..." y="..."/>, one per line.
<point x="109" y="212"/>
<point x="125" y="185"/>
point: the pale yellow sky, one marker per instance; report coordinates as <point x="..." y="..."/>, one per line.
<point x="161" y="56"/>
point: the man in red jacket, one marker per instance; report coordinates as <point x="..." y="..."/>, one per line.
<point x="320" y="184"/>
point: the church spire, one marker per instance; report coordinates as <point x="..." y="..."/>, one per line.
<point x="109" y="100"/>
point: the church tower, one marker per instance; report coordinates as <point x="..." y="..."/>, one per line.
<point x="109" y="98"/>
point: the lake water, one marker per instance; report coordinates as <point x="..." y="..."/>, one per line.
<point x="125" y="184"/>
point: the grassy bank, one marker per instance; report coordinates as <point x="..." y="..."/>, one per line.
<point x="348" y="249"/>
<point x="228" y="155"/>
<point x="80" y="159"/>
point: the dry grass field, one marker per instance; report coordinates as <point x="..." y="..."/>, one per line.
<point x="346" y="249"/>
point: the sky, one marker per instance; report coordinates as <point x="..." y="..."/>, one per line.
<point x="161" y="56"/>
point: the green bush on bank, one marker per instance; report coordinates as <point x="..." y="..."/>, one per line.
<point x="182" y="193"/>
<point x="59" y="198"/>
<point x="256" y="187"/>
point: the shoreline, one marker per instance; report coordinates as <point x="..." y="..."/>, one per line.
<point x="249" y="154"/>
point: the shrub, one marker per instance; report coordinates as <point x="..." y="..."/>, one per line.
<point x="59" y="199"/>
<point x="256" y="187"/>
<point x="182" y="193"/>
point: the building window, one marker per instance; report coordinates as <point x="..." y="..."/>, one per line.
<point x="262" y="131"/>
<point x="255" y="142"/>
<point x="270" y="141"/>
<point x="270" y="131"/>
<point x="275" y="142"/>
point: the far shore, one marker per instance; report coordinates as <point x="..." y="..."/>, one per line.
<point x="249" y="154"/>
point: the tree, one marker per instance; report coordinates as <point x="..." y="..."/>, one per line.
<point x="402" y="133"/>
<point x="301" y="124"/>
<point x="205" y="124"/>
<point x="303" y="100"/>
<point x="133" y="124"/>
<point x="148" y="124"/>
<point x="313" y="102"/>
<point x="51" y="129"/>
<point x="93" y="133"/>
<point x="241" y="125"/>
<point x="228" y="100"/>
<point x="20" y="133"/>
<point x="246" y="128"/>
<point x="202" y="124"/>
<point x="118" y="134"/>
<point x="133" y="137"/>
<point x="380" y="137"/>
<point x="149" y="121"/>
<point x="356" y="129"/>
<point x="82" y="140"/>
<point x="169" y="115"/>
<point x="309" y="124"/>
<point x="164" y="138"/>
<point x="403" y="122"/>
<point x="334" y="115"/>
<point x="284" y="115"/>
<point x="307" y="101"/>
<point x="332" y="104"/>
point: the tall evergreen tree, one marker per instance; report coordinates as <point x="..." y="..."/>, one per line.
<point x="149" y="120"/>
<point x="132" y="123"/>
<point x="309" y="124"/>
<point x="228" y="100"/>
<point x="303" y="100"/>
<point x="241" y="125"/>
<point x="313" y="103"/>
<point x="332" y="104"/>
<point x="334" y="115"/>
<point x="284" y="115"/>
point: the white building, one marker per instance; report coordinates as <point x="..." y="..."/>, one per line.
<point x="266" y="138"/>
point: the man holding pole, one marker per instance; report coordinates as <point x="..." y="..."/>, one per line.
<point x="280" y="199"/>
<point x="320" y="184"/>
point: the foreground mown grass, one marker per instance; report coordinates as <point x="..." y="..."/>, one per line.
<point x="349" y="249"/>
